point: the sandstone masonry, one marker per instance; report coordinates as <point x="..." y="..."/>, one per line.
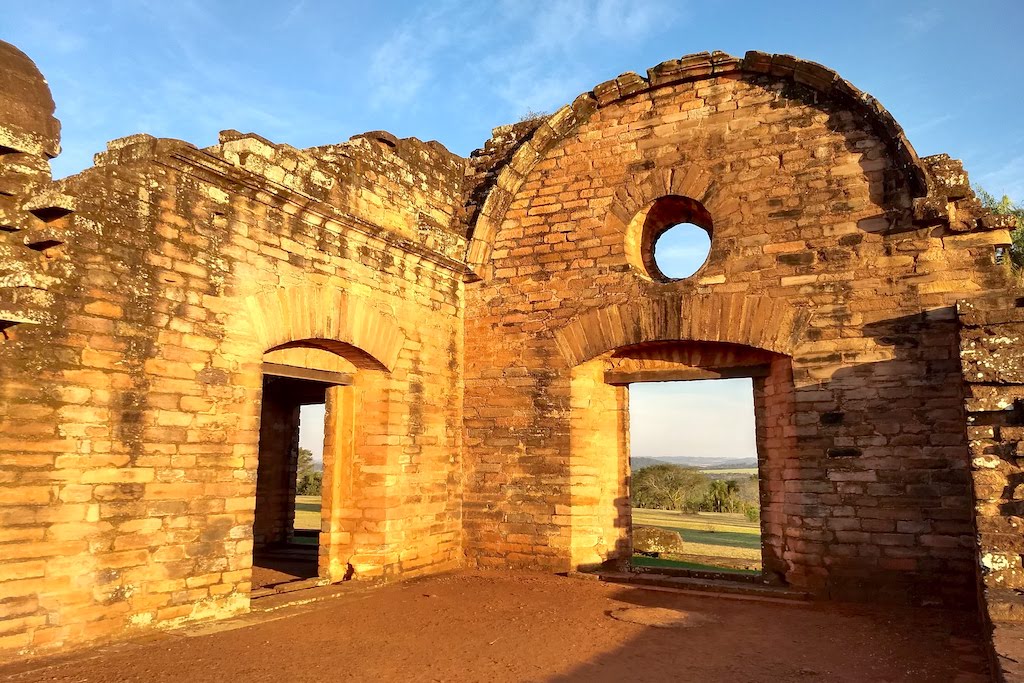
<point x="488" y="316"/>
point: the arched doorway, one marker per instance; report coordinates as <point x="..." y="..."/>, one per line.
<point x="322" y="347"/>
<point x="599" y="439"/>
<point x="303" y="487"/>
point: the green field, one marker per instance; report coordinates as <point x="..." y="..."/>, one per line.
<point x="712" y="541"/>
<point x="307" y="512"/>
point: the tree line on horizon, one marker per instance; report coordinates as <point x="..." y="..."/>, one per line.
<point x="687" y="489"/>
<point x="308" y="480"/>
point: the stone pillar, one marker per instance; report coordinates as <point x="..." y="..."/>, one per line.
<point x="362" y="517"/>
<point x="992" y="360"/>
<point x="776" y="450"/>
<point x="599" y="508"/>
<point x="337" y="493"/>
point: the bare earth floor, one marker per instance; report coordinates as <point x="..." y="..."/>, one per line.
<point x="483" y="626"/>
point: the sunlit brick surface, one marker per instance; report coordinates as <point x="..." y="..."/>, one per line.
<point x="479" y="305"/>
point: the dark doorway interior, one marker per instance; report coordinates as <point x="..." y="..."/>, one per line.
<point x="281" y="552"/>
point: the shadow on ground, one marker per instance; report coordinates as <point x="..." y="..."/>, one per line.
<point x="482" y="626"/>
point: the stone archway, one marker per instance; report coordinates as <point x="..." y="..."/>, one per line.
<point x="599" y="457"/>
<point x="328" y="318"/>
<point x="661" y="340"/>
<point x="755" y="321"/>
<point x="302" y="327"/>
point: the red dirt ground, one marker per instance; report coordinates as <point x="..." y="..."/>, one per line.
<point x="483" y="626"/>
<point x="280" y="571"/>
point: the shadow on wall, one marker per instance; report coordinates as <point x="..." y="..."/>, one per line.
<point x="878" y="501"/>
<point x="888" y="504"/>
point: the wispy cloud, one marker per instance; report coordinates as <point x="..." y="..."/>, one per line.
<point x="172" y="69"/>
<point x="532" y="54"/>
<point x="919" y="23"/>
<point x="294" y="12"/>
<point x="59" y="36"/>
<point x="548" y="67"/>
<point x="403" y="65"/>
<point x="914" y="128"/>
<point x="1006" y="177"/>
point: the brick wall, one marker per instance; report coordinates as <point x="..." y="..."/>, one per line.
<point x="833" y="245"/>
<point x="990" y="350"/>
<point x="130" y="411"/>
<point x="992" y="357"/>
<point x="479" y="306"/>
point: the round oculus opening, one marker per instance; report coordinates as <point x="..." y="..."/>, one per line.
<point x="676" y="239"/>
<point x="681" y="250"/>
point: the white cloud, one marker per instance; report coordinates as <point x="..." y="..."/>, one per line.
<point x="532" y="54"/>
<point x="403" y="65"/>
<point x="1006" y="178"/>
<point x="915" y="128"/>
<point x="548" y="66"/>
<point x="921" y="22"/>
<point x="294" y="12"/>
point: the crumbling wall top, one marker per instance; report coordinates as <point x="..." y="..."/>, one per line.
<point x="405" y="186"/>
<point x="936" y="191"/>
<point x="27" y="123"/>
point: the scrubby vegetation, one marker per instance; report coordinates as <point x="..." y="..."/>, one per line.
<point x="1008" y="207"/>
<point x="685" y="489"/>
<point x="308" y="481"/>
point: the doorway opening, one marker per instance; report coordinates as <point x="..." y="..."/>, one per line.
<point x="286" y="527"/>
<point x="694" y="487"/>
<point x="310" y="473"/>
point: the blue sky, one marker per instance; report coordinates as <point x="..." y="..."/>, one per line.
<point x="310" y="72"/>
<point x="701" y="418"/>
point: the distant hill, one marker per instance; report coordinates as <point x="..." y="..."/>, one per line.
<point x="697" y="462"/>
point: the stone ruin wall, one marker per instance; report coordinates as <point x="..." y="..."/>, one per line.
<point x="130" y="387"/>
<point x="992" y="352"/>
<point x="480" y="305"/>
<point x="845" y="250"/>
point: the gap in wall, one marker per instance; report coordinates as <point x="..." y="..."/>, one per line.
<point x="309" y="475"/>
<point x="286" y="528"/>
<point x="694" y="484"/>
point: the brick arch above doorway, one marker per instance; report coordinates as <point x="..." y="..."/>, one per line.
<point x="825" y="83"/>
<point x="327" y="318"/>
<point x="754" y="321"/>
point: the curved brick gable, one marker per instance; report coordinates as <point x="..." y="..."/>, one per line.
<point x="696" y="67"/>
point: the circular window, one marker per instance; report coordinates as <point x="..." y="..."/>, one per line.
<point x="681" y="250"/>
<point x="671" y="238"/>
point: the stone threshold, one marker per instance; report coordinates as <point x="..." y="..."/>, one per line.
<point x="740" y="589"/>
